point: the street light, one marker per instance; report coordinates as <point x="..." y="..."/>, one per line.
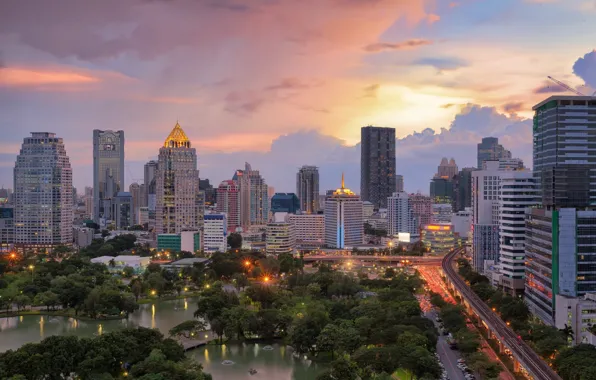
<point x="153" y="292"/>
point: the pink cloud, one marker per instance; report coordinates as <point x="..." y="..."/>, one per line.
<point x="30" y="77"/>
<point x="403" y="45"/>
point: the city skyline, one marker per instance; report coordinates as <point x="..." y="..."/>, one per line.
<point x="327" y="83"/>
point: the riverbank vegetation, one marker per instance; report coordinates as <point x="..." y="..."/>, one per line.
<point x="131" y="353"/>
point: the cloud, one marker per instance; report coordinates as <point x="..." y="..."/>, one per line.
<point x="585" y="68"/>
<point x="442" y="64"/>
<point x="243" y="103"/>
<point x="549" y="87"/>
<point x="371" y="91"/>
<point x="24" y="77"/>
<point x="513" y="107"/>
<point x="404" y="45"/>
<point x="291" y="84"/>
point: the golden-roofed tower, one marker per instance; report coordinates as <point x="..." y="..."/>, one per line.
<point x="177" y="138"/>
<point x="343" y="190"/>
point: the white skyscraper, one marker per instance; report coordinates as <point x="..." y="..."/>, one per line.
<point x="179" y="204"/>
<point x="400" y="215"/>
<point x="518" y="190"/>
<point x="43" y="193"/>
<point x="253" y="196"/>
<point x="344" y="224"/>
<point x="215" y="233"/>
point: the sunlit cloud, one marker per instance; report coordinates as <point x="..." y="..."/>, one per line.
<point x="24" y="77"/>
<point x="404" y="45"/>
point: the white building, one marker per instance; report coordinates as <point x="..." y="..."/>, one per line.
<point x="368" y="209"/>
<point x="215" y="233"/>
<point x="485" y="228"/>
<point x="579" y="313"/>
<point x="280" y="238"/>
<point x="442" y="212"/>
<point x="309" y="229"/>
<point x="517" y="191"/>
<point x="343" y="219"/>
<point x="461" y="222"/>
<point x="400" y="216"/>
<point x="118" y="263"/>
<point x="43" y="193"/>
<point x="179" y="202"/>
<point x="83" y="236"/>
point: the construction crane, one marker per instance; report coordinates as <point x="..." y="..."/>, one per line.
<point x="567" y="87"/>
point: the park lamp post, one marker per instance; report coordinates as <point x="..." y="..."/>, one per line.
<point x="31" y="268"/>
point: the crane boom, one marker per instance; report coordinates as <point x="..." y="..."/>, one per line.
<point x="565" y="86"/>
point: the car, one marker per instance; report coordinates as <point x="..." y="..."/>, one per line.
<point x="461" y="361"/>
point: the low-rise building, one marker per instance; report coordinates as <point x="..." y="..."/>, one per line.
<point x="280" y="238"/>
<point x="189" y="241"/>
<point x="215" y="233"/>
<point x="309" y="230"/>
<point x="83" y="236"/>
<point x="438" y="238"/>
<point x="6" y="228"/>
<point x="185" y="263"/>
<point x="118" y="263"/>
<point x="578" y="313"/>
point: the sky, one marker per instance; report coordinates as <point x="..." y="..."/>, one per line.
<point x="286" y="83"/>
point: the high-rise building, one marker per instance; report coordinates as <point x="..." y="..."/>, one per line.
<point x="285" y="202"/>
<point x="511" y="164"/>
<point x="307" y="189"/>
<point x="179" y="204"/>
<point x="441" y="213"/>
<point x="135" y="191"/>
<point x="560" y="247"/>
<point x="399" y="183"/>
<point x="377" y="165"/>
<point x="441" y="186"/>
<point x="7" y="228"/>
<point x="400" y="215"/>
<point x="438" y="237"/>
<point x="422" y="207"/>
<point x="344" y="225"/>
<point x="254" y="197"/>
<point x="446" y="169"/>
<point x="280" y="238"/>
<point x="517" y="191"/>
<point x="122" y="210"/>
<point x="490" y="150"/>
<point x="215" y="235"/>
<point x="43" y="193"/>
<point x="462" y="189"/>
<point x="5" y="196"/>
<point x="228" y="203"/>
<point x="108" y="169"/>
<point x="209" y="190"/>
<point x="88" y="201"/>
<point x="485" y="220"/>
<point x="150" y="184"/>
<point x="309" y="229"/>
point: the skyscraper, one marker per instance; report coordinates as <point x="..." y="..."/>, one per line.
<point x="228" y="202"/>
<point x="446" y="169"/>
<point x="490" y="150"/>
<point x="400" y="215"/>
<point x="135" y="192"/>
<point x="108" y="169"/>
<point x="462" y="189"/>
<point x="377" y="165"/>
<point x="344" y="226"/>
<point x="422" y="207"/>
<point x="149" y="178"/>
<point x="399" y="183"/>
<point x="285" y="202"/>
<point x="559" y="244"/>
<point x="254" y="197"/>
<point x="441" y="186"/>
<point x="43" y="193"/>
<point x="88" y="201"/>
<point x="122" y="210"/>
<point x="178" y="199"/>
<point x="307" y="189"/>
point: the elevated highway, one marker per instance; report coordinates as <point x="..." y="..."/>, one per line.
<point x="523" y="355"/>
<point x="409" y="260"/>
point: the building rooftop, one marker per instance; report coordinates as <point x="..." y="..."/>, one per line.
<point x="562" y="97"/>
<point x="189" y="261"/>
<point x="343" y="191"/>
<point x="177" y="138"/>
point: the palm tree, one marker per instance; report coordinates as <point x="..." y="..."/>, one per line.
<point x="112" y="263"/>
<point x="568" y="332"/>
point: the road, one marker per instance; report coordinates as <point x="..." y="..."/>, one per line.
<point x="520" y="350"/>
<point x="447" y="355"/>
<point x="411" y="260"/>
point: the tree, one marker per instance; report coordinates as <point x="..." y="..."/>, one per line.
<point x="22" y="301"/>
<point x="128" y="271"/>
<point x="329" y="339"/>
<point x="136" y="286"/>
<point x="235" y="240"/>
<point x="567" y="331"/>
<point x="240" y="280"/>
<point x="156" y="282"/>
<point x="106" y="250"/>
<point x="389" y="273"/>
<point x="47" y="299"/>
<point x="188" y="329"/>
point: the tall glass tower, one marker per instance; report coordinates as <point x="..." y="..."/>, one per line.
<point x="108" y="170"/>
<point x="377" y="165"/>
<point x="307" y="189"/>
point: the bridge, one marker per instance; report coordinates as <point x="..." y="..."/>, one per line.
<point x="523" y="355"/>
<point x="409" y="260"/>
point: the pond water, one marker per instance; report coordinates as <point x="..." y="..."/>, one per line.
<point x="271" y="364"/>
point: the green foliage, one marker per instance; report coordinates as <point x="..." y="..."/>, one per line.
<point x="188" y="329"/>
<point x="577" y="363"/>
<point x="235" y="240"/>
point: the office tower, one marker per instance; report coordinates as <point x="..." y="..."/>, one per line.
<point x="228" y="202"/>
<point x="150" y="183"/>
<point x="123" y="210"/>
<point x="75" y="197"/>
<point x="462" y="189"/>
<point x="43" y="193"/>
<point x="280" y="238"/>
<point x="462" y="221"/>
<point x="485" y="221"/>
<point x="209" y="190"/>
<point x="270" y="192"/>
<point x="559" y="243"/>
<point x="441" y="213"/>
<point x="438" y="237"/>
<point x="88" y="201"/>
<point x="178" y="198"/>
<point x="6" y="227"/>
<point x="143" y="192"/>
<point x="446" y="169"/>
<point x="215" y="235"/>
<point x="309" y="230"/>
<point x="400" y="215"/>
<point x="135" y="191"/>
<point x="108" y="169"/>
<point x="307" y="189"/>
<point x="5" y="195"/>
<point x="254" y="197"/>
<point x="517" y="191"/>
<point x="399" y="183"/>
<point x="377" y="165"/>
<point x="422" y="207"/>
<point x="344" y="225"/>
<point x="490" y="150"/>
<point x="285" y="202"/>
<point x="511" y="164"/>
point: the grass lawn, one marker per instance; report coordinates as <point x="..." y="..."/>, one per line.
<point x="401" y="374"/>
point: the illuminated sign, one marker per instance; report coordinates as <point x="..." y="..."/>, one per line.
<point x="438" y="227"/>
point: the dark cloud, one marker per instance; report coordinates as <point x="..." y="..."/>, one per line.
<point x="448" y="105"/>
<point x="242" y="104"/>
<point x="585" y="68"/>
<point x="550" y="88"/>
<point x="371" y="91"/>
<point x="513" y="107"/>
<point x="291" y="84"/>
<point x="234" y="6"/>
<point x="442" y="64"/>
<point x="404" y="45"/>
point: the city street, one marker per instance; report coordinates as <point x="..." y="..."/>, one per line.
<point x="448" y="356"/>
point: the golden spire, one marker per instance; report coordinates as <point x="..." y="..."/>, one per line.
<point x="177" y="138"/>
<point x="342" y="190"/>
<point x="343" y="186"/>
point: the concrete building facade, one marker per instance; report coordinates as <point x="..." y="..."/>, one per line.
<point x="307" y="189"/>
<point x="108" y="169"/>
<point x="377" y="165"/>
<point x="400" y="216"/>
<point x="215" y="233"/>
<point x="228" y="202"/>
<point x="343" y="219"/>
